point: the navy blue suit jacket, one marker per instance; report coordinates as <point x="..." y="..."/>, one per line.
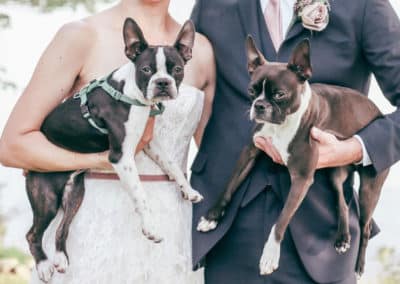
<point x="363" y="37"/>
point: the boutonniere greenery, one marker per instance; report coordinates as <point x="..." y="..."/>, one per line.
<point x="314" y="14"/>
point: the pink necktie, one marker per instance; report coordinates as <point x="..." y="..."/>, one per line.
<point x="273" y="19"/>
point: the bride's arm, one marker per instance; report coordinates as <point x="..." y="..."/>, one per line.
<point x="207" y="67"/>
<point x="22" y="145"/>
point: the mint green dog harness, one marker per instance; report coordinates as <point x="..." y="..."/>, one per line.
<point x="156" y="109"/>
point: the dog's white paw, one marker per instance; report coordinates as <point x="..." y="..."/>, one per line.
<point x="205" y="225"/>
<point x="269" y="261"/>
<point x="45" y="270"/>
<point x="192" y="195"/>
<point x="149" y="230"/>
<point x="343" y="243"/>
<point x="60" y="262"/>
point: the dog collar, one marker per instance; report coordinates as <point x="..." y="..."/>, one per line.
<point x="156" y="109"/>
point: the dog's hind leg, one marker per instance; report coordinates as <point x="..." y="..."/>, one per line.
<point x="244" y="165"/>
<point x="43" y="190"/>
<point x="271" y="253"/>
<point x="74" y="191"/>
<point x="338" y="176"/>
<point x="370" y="190"/>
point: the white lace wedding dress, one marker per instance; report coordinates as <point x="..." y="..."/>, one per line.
<point x="106" y="245"/>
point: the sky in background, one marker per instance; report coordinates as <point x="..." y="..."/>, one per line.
<point x="20" y="48"/>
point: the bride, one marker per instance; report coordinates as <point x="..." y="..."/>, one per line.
<point x="105" y="242"/>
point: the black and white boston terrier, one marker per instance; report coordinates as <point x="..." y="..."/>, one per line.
<point x="285" y="107"/>
<point x="109" y="114"/>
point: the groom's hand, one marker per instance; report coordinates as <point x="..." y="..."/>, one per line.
<point x="147" y="135"/>
<point x="265" y="145"/>
<point x="332" y="152"/>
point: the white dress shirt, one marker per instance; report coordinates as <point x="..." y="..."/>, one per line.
<point x="286" y="12"/>
<point x="286" y="18"/>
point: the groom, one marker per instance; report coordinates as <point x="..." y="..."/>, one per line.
<point x="361" y="38"/>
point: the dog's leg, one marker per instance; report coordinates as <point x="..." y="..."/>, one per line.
<point x="129" y="176"/>
<point x="71" y="201"/>
<point x="270" y="257"/>
<point x="43" y="196"/>
<point x="370" y="189"/>
<point x="155" y="152"/>
<point x="244" y="165"/>
<point x="123" y="141"/>
<point x="338" y="176"/>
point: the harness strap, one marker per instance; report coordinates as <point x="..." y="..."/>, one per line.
<point x="156" y="109"/>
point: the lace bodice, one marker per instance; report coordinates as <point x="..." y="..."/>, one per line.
<point x="175" y="128"/>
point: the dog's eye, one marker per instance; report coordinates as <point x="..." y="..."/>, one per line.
<point x="178" y="69"/>
<point x="279" y="95"/>
<point x="146" y="69"/>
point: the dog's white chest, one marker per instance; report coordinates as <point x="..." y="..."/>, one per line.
<point x="283" y="134"/>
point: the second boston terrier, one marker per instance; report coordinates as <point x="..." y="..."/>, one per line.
<point x="285" y="108"/>
<point x="110" y="113"/>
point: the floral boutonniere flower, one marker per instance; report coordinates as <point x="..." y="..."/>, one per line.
<point x="314" y="14"/>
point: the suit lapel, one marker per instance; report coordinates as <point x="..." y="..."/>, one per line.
<point x="249" y="18"/>
<point x="267" y="46"/>
<point x="295" y="28"/>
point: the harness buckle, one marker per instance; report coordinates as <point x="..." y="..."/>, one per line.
<point x="118" y="95"/>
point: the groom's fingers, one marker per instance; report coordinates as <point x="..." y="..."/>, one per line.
<point x="265" y="144"/>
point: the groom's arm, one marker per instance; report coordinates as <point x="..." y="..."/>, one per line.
<point x="195" y="16"/>
<point x="381" y="48"/>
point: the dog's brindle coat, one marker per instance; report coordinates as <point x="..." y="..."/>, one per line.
<point x="153" y="74"/>
<point x="285" y="108"/>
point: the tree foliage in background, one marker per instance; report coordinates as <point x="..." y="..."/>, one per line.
<point x="4" y="83"/>
<point x="390" y="261"/>
<point x="51" y="5"/>
<point x="2" y="227"/>
<point x="43" y="6"/>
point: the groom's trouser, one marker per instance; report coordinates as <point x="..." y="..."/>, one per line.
<point x="235" y="259"/>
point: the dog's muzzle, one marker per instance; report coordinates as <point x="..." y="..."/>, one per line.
<point x="164" y="89"/>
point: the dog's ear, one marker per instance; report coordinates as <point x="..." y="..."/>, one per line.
<point x="134" y="40"/>
<point x="254" y="56"/>
<point x="185" y="40"/>
<point x="300" y="62"/>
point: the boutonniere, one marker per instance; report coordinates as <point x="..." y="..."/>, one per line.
<point x="314" y="14"/>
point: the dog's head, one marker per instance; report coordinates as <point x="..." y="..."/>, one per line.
<point x="159" y="70"/>
<point x="277" y="88"/>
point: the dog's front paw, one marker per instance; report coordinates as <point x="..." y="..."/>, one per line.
<point x="45" y="270"/>
<point x="149" y="230"/>
<point x="205" y="225"/>
<point x="342" y="243"/>
<point x="192" y="195"/>
<point x="269" y="261"/>
<point x="60" y="262"/>
<point x="149" y="234"/>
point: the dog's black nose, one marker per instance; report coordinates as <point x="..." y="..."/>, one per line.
<point x="162" y="83"/>
<point x="259" y="107"/>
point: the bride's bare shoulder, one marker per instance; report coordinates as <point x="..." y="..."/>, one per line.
<point x="75" y="32"/>
<point x="89" y="27"/>
<point x="202" y="47"/>
<point x="203" y="56"/>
